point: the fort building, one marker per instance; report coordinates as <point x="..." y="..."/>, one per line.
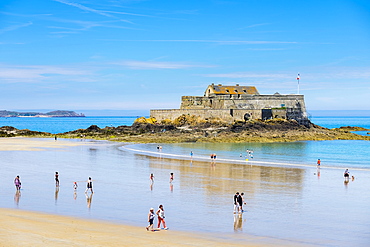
<point x="238" y="103"/>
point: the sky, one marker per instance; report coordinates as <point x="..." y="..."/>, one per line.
<point x="146" y="54"/>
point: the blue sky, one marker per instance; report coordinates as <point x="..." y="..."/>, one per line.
<point x="138" y="55"/>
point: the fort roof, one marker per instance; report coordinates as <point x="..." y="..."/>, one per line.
<point x="227" y="90"/>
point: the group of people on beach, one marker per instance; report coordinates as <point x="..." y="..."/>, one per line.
<point x="17" y="183"/>
<point x="161" y="217"/>
<point x="151" y="177"/>
<point x="345" y="175"/>
<point x="213" y="156"/>
<point x="239" y="202"/>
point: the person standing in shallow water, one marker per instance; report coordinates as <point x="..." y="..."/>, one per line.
<point x="56" y="179"/>
<point x="160" y="213"/>
<point x="318" y="163"/>
<point x="171" y="177"/>
<point x="89" y="186"/>
<point x="17" y="183"/>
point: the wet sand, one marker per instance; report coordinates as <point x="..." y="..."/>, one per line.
<point x="287" y="206"/>
<point x="24" y="228"/>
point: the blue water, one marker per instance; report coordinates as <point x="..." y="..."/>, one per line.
<point x="336" y="122"/>
<point x="61" y="125"/>
<point x="338" y="154"/>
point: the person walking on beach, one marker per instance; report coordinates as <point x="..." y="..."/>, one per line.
<point x="318" y="163"/>
<point x="89" y="185"/>
<point x="171" y="177"/>
<point x="236" y="202"/>
<point x="56" y="179"/>
<point x="191" y="154"/>
<point x="151" y="177"/>
<point x="160" y="213"/>
<point x="151" y="217"/>
<point x="17" y="183"/>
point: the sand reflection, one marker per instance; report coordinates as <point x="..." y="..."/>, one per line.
<point x="17" y="196"/>
<point x="227" y="178"/>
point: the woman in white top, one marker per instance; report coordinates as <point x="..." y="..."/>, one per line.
<point x="160" y="213"/>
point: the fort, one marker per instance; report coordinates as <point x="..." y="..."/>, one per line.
<point x="238" y="103"/>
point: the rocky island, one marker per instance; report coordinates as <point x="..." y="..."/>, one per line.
<point x="191" y="128"/>
<point x="58" y="113"/>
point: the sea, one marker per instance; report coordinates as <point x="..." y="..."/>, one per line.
<point x="288" y="198"/>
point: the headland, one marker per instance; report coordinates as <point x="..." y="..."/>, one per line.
<point x="58" y="113"/>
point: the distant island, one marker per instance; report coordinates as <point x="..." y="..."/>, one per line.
<point x="5" y="113"/>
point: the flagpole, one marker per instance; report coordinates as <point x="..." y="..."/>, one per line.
<point x="298" y="77"/>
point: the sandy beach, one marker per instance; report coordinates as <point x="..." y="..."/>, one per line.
<point x="36" y="144"/>
<point x="282" y="207"/>
<point x="24" y="228"/>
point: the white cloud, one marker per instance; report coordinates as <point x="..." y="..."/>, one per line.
<point x="249" y="75"/>
<point x="158" y="65"/>
<point x="34" y="73"/>
<point x="221" y="42"/>
<point x="88" y="9"/>
<point x="15" y="27"/>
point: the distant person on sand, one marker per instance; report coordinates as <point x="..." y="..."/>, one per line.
<point x="191" y="154"/>
<point x="75" y="186"/>
<point x="214" y="156"/>
<point x="151" y="177"/>
<point x="160" y="213"/>
<point x="57" y="179"/>
<point x="171" y="177"/>
<point x="318" y="163"/>
<point x="55" y="138"/>
<point x="17" y="183"/>
<point x="346" y="174"/>
<point x="151" y="217"/>
<point x="89" y="185"/>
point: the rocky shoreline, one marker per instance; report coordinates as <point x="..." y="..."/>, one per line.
<point x="188" y="129"/>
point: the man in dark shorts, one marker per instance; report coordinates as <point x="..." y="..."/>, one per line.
<point x="236" y="202"/>
<point x="89" y="185"/>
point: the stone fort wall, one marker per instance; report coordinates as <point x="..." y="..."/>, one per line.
<point x="236" y="107"/>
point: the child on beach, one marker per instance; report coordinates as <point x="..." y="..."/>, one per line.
<point x="151" y="217"/>
<point x="89" y="185"/>
<point x="75" y="186"/>
<point x="57" y="179"/>
<point x="17" y="183"/>
<point x="171" y="177"/>
<point x="160" y="213"/>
